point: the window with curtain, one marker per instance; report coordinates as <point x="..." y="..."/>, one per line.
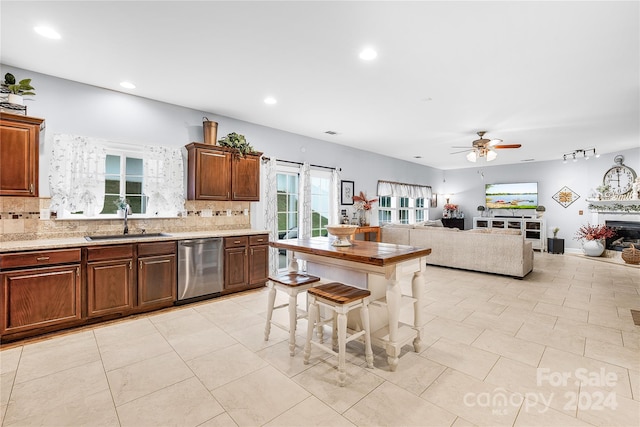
<point x="88" y="174"/>
<point x="402" y="203"/>
<point x="293" y="187"/>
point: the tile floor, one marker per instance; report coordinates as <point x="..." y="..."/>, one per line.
<point x="558" y="348"/>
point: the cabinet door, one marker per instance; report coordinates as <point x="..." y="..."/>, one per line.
<point x="156" y="280"/>
<point x="235" y="268"/>
<point x="19" y="144"/>
<point x="212" y="179"/>
<point x="245" y="184"/>
<point x="258" y="264"/>
<point x="109" y="287"/>
<point x="39" y="298"/>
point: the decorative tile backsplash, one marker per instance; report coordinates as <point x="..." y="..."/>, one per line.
<point x="20" y="220"/>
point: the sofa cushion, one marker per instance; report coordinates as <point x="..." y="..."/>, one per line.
<point x="430" y="223"/>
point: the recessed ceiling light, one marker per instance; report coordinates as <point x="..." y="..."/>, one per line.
<point x="127" y="85"/>
<point x="47" y="32"/>
<point x="270" y="100"/>
<point x="368" y="54"/>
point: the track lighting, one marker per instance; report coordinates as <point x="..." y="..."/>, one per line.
<point x="586" y="154"/>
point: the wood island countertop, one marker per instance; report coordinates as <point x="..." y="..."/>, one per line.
<point x="372" y="253"/>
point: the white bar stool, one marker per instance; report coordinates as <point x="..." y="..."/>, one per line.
<point x="291" y="284"/>
<point x="340" y="299"/>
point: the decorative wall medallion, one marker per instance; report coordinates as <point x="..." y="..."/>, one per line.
<point x="565" y="196"/>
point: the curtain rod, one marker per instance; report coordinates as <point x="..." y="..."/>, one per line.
<point x="266" y="159"/>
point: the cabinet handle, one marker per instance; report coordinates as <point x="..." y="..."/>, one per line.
<point x="260" y="240"/>
<point x="227" y="194"/>
<point x="140" y="265"/>
<point x="42" y="258"/>
<point x="78" y="271"/>
<point x="236" y="242"/>
<point x="31" y="188"/>
<point x="130" y="265"/>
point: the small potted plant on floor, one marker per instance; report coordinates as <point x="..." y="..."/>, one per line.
<point x="593" y="238"/>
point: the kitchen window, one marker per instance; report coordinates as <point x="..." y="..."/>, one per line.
<point x="89" y="174"/>
<point x="401" y="210"/>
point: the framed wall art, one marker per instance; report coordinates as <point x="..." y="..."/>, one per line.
<point x="346" y="192"/>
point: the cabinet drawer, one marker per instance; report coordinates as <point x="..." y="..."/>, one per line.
<point x="30" y="259"/>
<point x="236" y="241"/>
<point x="109" y="252"/>
<point x="260" y="239"/>
<point x="156" y="248"/>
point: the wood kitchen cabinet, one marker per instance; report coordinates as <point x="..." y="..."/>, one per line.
<point x="19" y="154"/>
<point x="218" y="173"/>
<point x="246" y="262"/>
<point x="236" y="263"/>
<point x="258" y="260"/>
<point x="41" y="291"/>
<point x="157" y="277"/>
<point x="109" y="280"/>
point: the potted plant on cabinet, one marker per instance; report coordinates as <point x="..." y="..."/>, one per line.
<point x="17" y="90"/>
<point x="237" y="141"/>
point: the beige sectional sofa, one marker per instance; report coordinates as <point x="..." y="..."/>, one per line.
<point x="502" y="252"/>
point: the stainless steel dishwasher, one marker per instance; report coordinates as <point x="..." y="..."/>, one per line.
<point x="200" y="268"/>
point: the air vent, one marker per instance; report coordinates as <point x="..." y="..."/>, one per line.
<point x="528" y="160"/>
<point x="331" y="132"/>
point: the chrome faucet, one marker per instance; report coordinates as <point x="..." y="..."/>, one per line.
<point x="127" y="212"/>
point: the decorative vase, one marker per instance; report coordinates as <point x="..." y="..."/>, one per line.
<point x="365" y="218"/>
<point x="16" y="99"/>
<point x="593" y="247"/>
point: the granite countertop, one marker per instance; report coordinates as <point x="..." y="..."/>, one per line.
<point x="60" y="243"/>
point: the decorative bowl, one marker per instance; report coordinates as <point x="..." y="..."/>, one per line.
<point x="342" y="233"/>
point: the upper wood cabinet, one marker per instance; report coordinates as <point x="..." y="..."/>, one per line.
<point x="19" y="147"/>
<point x="218" y="173"/>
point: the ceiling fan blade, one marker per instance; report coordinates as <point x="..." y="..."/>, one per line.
<point x="461" y="151"/>
<point x="507" y="146"/>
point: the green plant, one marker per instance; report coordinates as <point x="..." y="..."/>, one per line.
<point x="555" y="232"/>
<point x="121" y="203"/>
<point x="237" y="141"/>
<point x="23" y="87"/>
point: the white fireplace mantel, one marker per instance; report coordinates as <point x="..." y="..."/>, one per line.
<point x="614" y="210"/>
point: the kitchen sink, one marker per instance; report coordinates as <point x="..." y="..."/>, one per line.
<point x="126" y="236"/>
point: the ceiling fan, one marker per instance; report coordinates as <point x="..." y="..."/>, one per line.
<point x="484" y="147"/>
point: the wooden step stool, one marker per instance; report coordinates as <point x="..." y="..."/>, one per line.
<point x="291" y="284"/>
<point x="340" y="299"/>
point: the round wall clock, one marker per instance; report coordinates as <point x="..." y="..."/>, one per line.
<point x="620" y="177"/>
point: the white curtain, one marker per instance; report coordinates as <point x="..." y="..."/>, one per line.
<point x="77" y="174"/>
<point x="163" y="180"/>
<point x="305" y="203"/>
<point x="269" y="202"/>
<point x="398" y="189"/>
<point x="334" y="203"/>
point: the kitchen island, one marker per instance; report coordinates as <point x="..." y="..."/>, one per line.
<point x="378" y="267"/>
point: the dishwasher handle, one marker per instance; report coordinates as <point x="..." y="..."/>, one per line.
<point x="197" y="242"/>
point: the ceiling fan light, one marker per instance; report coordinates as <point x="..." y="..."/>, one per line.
<point x="472" y="156"/>
<point x="494" y="142"/>
<point x="491" y="155"/>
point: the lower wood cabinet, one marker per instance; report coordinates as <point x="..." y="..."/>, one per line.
<point x="109" y="280"/>
<point x="246" y="262"/>
<point x="34" y="299"/>
<point x="157" y="276"/>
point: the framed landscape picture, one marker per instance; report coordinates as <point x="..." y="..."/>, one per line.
<point x="346" y="192"/>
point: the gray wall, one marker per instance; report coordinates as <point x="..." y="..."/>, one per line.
<point x="79" y="109"/>
<point x="76" y="108"/>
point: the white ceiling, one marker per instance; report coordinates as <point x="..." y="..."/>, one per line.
<point x="552" y="76"/>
